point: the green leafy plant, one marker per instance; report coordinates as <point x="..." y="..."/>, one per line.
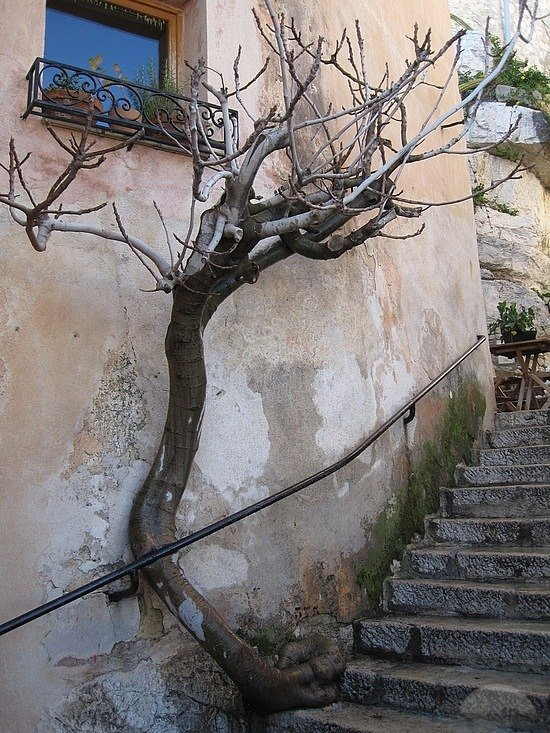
<point x="468" y="81"/>
<point x="532" y="84"/>
<point x="157" y="106"/>
<point x="480" y="198"/>
<point x="502" y="206"/>
<point x="517" y="73"/>
<point x="479" y="195"/>
<point x="513" y="320"/>
<point x="508" y="152"/>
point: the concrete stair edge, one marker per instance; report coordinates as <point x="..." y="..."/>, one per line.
<point x="451" y="691"/>
<point x="524" y="418"/>
<point x="480" y="642"/>
<point x="473" y="562"/>
<point x="467" y="598"/>
<point x="346" y="717"/>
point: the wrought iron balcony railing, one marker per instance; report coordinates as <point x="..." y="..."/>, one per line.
<point x="68" y="94"/>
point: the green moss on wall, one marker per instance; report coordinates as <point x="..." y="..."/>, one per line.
<point x="404" y="514"/>
<point x="267" y="643"/>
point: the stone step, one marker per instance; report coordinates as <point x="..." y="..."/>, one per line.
<point x="495" y="501"/>
<point x="467" y="598"/>
<point x="524" y="455"/>
<point x="525" y="418"/>
<point x="512" y="437"/>
<point x="478" y="563"/>
<point x="506" y="698"/>
<point x="522" y="646"/>
<point x="502" y="475"/>
<point x="524" y="531"/>
<point x="346" y="717"/>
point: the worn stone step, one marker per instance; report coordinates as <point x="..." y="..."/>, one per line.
<point x="522" y="531"/>
<point x="512" y="437"/>
<point x="523" y="455"/>
<point x="518" y="700"/>
<point x="489" y="643"/>
<point x="525" y="418"/>
<point x="495" y="501"/>
<point x="467" y="598"/>
<point x="346" y="717"/>
<point x="502" y="475"/>
<point x="478" y="563"/>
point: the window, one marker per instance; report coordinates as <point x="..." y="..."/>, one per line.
<point x="129" y="38"/>
<point x="116" y="64"/>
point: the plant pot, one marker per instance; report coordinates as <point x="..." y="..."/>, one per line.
<point x="75" y="100"/>
<point x="120" y="113"/>
<point x="509" y="337"/>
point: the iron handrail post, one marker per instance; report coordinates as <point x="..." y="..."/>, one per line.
<point x="167" y="550"/>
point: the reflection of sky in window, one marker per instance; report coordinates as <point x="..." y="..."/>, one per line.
<point x="73" y="40"/>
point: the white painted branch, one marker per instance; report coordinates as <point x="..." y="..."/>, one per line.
<point x="218" y="234"/>
<point x="59" y="225"/>
<point x="233" y="232"/>
<point x="407" y="149"/>
<point x="293" y="223"/>
<point x="206" y="188"/>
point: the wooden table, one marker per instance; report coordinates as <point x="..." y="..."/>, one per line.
<point x="526" y="354"/>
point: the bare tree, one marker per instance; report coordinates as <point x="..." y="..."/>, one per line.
<point x="341" y="189"/>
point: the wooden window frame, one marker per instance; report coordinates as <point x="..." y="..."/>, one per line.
<point x="173" y="23"/>
<point x="162" y="11"/>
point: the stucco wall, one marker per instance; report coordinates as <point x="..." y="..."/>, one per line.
<point x="301" y="366"/>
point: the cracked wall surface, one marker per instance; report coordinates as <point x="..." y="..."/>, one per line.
<point x="301" y="367"/>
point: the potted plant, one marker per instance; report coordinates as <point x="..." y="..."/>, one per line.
<point x="514" y="324"/>
<point x="125" y="102"/>
<point x="73" y="91"/>
<point x="159" y="108"/>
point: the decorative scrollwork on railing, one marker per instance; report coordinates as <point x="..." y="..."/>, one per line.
<point x="70" y="94"/>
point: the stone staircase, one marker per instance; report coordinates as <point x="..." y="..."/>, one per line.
<point x="464" y="642"/>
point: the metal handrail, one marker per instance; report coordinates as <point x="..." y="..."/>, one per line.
<point x="167" y="550"/>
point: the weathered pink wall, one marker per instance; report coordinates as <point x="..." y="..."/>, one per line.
<point x="301" y="367"/>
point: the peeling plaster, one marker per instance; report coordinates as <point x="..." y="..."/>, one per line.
<point x="214" y="567"/>
<point x="336" y="386"/>
<point x="232" y="411"/>
<point x="103" y="431"/>
<point x="89" y="627"/>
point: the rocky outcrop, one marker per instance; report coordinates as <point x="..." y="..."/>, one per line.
<point x="513" y="221"/>
<point x="510" y="247"/>
<point x="530" y="138"/>
<point x="513" y="232"/>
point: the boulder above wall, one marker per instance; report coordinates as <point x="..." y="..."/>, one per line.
<point x="531" y="137"/>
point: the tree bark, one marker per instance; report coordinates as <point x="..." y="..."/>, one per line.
<point x="308" y="670"/>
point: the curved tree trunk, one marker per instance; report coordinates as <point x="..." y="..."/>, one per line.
<point x="312" y="667"/>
